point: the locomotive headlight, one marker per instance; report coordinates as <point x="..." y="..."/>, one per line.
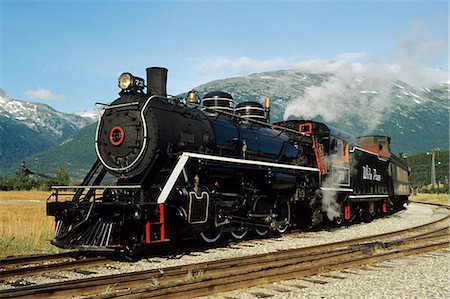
<point x="130" y="83"/>
<point x="125" y="80"/>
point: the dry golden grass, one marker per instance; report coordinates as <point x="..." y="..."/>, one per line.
<point x="24" y="195"/>
<point x="432" y="198"/>
<point x="25" y="229"/>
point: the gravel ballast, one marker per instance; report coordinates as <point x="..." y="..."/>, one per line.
<point x="421" y="276"/>
<point x="414" y="215"/>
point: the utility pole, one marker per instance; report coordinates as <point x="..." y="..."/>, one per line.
<point x="433" y="169"/>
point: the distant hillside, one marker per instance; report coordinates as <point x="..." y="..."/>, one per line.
<point x="27" y="128"/>
<point x="76" y="155"/>
<point x="416" y="119"/>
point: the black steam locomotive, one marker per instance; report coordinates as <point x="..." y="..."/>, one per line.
<point x="186" y="167"/>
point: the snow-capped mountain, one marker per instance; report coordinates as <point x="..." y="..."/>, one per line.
<point x="40" y="117"/>
<point x="27" y="128"/>
<point x="417" y="118"/>
<point x="90" y="114"/>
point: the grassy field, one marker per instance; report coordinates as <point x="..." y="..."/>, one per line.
<point x="25" y="228"/>
<point x="432" y="198"/>
<point x="24" y="195"/>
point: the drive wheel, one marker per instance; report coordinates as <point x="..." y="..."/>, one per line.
<point x="283" y="210"/>
<point x="261" y="231"/>
<point x="239" y="234"/>
<point x="211" y="235"/>
<point x="262" y="205"/>
<point x="316" y="218"/>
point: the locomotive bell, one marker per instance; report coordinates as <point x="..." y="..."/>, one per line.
<point x="192" y="97"/>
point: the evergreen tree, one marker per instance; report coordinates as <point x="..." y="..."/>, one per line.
<point x="62" y="178"/>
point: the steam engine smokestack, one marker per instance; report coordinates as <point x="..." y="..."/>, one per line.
<point x="157" y="81"/>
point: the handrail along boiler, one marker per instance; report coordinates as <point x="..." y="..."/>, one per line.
<point x="186" y="167"/>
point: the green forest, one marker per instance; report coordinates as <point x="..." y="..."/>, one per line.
<point x="421" y="166"/>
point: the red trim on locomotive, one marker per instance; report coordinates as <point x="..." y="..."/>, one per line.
<point x="160" y="223"/>
<point x="316" y="152"/>
<point x="116" y="132"/>
<point x="347" y="210"/>
<point x="305" y="128"/>
<point x="147" y="232"/>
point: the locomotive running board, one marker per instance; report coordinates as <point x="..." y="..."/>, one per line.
<point x="186" y="155"/>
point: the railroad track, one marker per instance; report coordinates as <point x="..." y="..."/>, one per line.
<point x="34" y="264"/>
<point x="229" y="274"/>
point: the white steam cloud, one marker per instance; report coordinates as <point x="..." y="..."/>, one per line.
<point x="329" y="204"/>
<point x="333" y="99"/>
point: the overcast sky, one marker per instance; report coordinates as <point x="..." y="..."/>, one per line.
<point x="69" y="53"/>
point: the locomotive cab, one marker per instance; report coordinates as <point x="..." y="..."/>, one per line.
<point x="331" y="146"/>
<point x="381" y="145"/>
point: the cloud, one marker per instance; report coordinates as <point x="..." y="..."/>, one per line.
<point x="345" y="64"/>
<point x="420" y="47"/>
<point x="43" y="95"/>
<point x="412" y="60"/>
<point x="335" y="98"/>
<point x="238" y="66"/>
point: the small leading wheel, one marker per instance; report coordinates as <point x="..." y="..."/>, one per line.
<point x="211" y="235"/>
<point x="239" y="234"/>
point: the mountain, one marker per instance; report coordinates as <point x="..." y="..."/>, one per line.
<point x="76" y="155"/>
<point x="27" y="128"/>
<point x="90" y="114"/>
<point x="417" y="119"/>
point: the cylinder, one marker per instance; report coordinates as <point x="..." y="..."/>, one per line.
<point x="157" y="81"/>
<point x="281" y="181"/>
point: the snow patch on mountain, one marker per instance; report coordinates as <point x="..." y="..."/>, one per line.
<point x="89" y="114"/>
<point x="40" y="117"/>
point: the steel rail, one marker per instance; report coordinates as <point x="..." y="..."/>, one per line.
<point x="303" y="256"/>
<point x="64" y="265"/>
<point x="28" y="259"/>
<point x="213" y="284"/>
